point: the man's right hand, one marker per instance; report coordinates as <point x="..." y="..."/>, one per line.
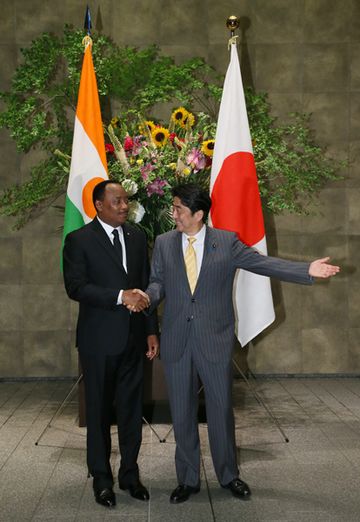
<point x="135" y="300"/>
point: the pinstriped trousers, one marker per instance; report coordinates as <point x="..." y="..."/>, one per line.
<point x="183" y="384"/>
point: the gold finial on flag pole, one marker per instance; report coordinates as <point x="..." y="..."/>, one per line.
<point x="87" y="40"/>
<point x="232" y="23"/>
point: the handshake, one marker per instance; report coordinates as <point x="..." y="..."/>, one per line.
<point x="135" y="300"/>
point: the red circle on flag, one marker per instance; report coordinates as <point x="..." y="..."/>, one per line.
<point x="236" y="204"/>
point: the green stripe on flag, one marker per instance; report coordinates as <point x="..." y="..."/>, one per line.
<point x="72" y="221"/>
<point x="73" y="218"/>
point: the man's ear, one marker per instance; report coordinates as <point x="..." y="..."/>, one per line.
<point x="199" y="215"/>
<point x="98" y="205"/>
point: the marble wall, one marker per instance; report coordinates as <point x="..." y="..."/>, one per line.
<point x="306" y="55"/>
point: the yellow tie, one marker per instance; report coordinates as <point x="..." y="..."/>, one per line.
<point x="190" y="263"/>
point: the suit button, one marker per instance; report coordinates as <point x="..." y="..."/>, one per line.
<point x="188" y="319"/>
<point x="193" y="300"/>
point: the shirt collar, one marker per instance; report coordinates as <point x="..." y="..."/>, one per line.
<point x="200" y="236"/>
<point x="108" y="228"/>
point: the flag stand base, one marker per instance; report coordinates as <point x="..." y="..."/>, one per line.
<point x="260" y="400"/>
<point x="60" y="408"/>
<point x="67" y="398"/>
<point x="163" y="413"/>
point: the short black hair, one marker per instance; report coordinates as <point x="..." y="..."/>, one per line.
<point x="99" y="189"/>
<point x="194" y="197"/>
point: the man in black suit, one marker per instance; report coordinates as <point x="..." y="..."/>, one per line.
<point x="103" y="261"/>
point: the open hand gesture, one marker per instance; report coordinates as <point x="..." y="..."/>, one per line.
<point x="321" y="268"/>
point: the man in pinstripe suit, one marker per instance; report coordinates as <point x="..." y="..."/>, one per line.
<point x="198" y="332"/>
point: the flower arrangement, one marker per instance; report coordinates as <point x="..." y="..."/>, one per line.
<point x="149" y="158"/>
<point x="38" y="113"/>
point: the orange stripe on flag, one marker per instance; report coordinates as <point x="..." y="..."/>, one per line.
<point x="88" y="107"/>
<point x="236" y="204"/>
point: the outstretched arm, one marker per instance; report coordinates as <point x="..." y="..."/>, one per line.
<point x="321" y="268"/>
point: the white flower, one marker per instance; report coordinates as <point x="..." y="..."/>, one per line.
<point x="136" y="211"/>
<point x="129" y="186"/>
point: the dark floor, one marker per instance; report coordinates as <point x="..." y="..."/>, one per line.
<point x="314" y="477"/>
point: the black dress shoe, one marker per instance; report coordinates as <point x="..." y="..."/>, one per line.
<point x="136" y="490"/>
<point x="239" y="489"/>
<point x="105" y="497"/>
<point x="182" y="493"/>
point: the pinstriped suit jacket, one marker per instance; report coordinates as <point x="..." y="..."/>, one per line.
<point x="208" y="313"/>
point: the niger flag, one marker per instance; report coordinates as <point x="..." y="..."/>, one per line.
<point x="88" y="159"/>
<point x="236" y="204"/>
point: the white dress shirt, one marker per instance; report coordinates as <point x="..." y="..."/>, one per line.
<point x="108" y="229"/>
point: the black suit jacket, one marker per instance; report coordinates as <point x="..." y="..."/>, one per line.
<point x="94" y="275"/>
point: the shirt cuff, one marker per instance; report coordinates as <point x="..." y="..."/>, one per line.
<point x="119" y="299"/>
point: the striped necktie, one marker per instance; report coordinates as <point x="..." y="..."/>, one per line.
<point x="190" y="263"/>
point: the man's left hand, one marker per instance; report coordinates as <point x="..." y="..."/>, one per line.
<point x="321" y="268"/>
<point x="153" y="347"/>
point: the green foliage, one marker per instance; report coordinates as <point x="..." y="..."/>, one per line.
<point x="39" y="113"/>
<point x="27" y="200"/>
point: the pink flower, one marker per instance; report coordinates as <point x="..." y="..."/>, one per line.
<point x="138" y="144"/>
<point x="156" y="187"/>
<point x="196" y="159"/>
<point x="145" y="171"/>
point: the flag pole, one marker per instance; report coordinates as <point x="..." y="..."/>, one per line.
<point x="233" y="23"/>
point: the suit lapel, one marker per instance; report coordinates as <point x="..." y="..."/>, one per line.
<point x="129" y="238"/>
<point x="208" y="255"/>
<point x="102" y="238"/>
<point x="178" y="260"/>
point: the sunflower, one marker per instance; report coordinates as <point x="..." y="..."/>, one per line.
<point x="160" y="136"/>
<point x="179" y="116"/>
<point x="149" y="124"/>
<point x="189" y="121"/>
<point x="207" y="147"/>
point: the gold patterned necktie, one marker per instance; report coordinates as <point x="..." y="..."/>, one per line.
<point x="190" y="263"/>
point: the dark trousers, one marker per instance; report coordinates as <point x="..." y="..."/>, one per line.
<point x="183" y="385"/>
<point x="113" y="380"/>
